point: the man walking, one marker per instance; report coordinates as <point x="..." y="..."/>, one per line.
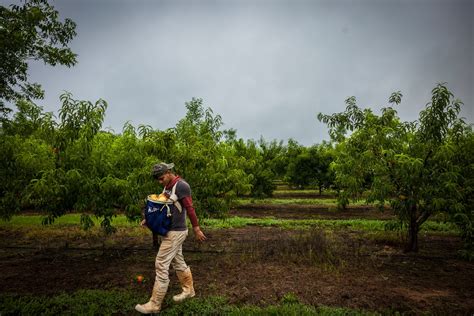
<point x="171" y="248"/>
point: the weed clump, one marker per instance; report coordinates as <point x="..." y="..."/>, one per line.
<point x="309" y="247"/>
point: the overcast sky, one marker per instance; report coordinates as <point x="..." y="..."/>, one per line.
<point x="267" y="67"/>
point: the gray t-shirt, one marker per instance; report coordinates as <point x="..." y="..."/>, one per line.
<point x="178" y="219"/>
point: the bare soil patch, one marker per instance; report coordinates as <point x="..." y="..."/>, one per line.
<point x="289" y="211"/>
<point x="256" y="265"/>
<point x="301" y="195"/>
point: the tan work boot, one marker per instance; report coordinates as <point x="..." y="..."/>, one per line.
<point x="186" y="279"/>
<point x="154" y="304"/>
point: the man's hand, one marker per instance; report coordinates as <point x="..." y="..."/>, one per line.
<point x="198" y="234"/>
<point x="143" y="223"/>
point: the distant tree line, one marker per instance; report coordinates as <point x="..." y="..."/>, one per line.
<point x="69" y="163"/>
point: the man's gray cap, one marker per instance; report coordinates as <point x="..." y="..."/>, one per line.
<point x="160" y="169"/>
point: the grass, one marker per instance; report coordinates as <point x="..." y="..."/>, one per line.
<point x="82" y="302"/>
<point x="71" y="221"/>
<point x="305" y="191"/>
<point x="292" y="201"/>
<point x="67" y="229"/>
<point x="113" y="302"/>
<point x="65" y="220"/>
<point x="354" y="224"/>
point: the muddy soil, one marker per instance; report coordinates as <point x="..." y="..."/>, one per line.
<point x="311" y="212"/>
<point x="256" y="265"/>
<point x="299" y="195"/>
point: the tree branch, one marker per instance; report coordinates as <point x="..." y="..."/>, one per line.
<point x="423" y="217"/>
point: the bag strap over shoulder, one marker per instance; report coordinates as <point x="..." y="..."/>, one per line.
<point x="174" y="198"/>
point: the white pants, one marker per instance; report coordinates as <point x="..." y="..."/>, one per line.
<point x="170" y="252"/>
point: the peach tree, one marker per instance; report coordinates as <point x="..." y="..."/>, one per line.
<point x="413" y="166"/>
<point x="202" y="156"/>
<point x="311" y="168"/>
<point x="31" y="31"/>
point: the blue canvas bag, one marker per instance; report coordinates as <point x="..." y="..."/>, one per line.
<point x="158" y="214"/>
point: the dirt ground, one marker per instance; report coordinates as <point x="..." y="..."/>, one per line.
<point x="310" y="212"/>
<point x="256" y="265"/>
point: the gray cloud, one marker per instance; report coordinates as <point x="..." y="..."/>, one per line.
<point x="267" y="67"/>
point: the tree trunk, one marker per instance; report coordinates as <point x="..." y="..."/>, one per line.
<point x="412" y="244"/>
<point x="414" y="228"/>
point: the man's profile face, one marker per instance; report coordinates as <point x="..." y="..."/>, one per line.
<point x="165" y="178"/>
